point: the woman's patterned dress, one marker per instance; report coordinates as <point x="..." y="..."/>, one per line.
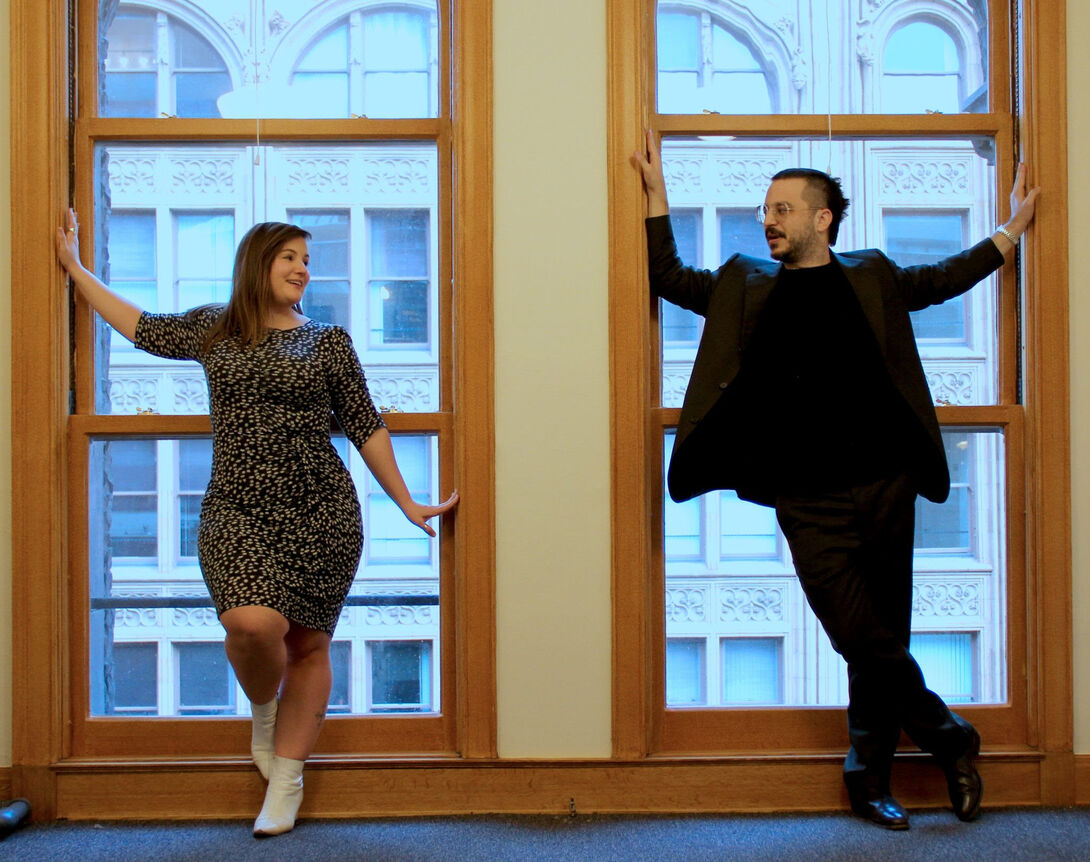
<point x="280" y="523"/>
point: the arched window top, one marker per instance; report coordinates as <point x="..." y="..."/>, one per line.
<point x="920" y="47"/>
<point x="705" y="64"/>
<point x="376" y="61"/>
<point x="922" y="70"/>
<point x="156" y="63"/>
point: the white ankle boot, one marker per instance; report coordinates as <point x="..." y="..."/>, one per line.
<point x="282" y="797"/>
<point x="261" y="735"/>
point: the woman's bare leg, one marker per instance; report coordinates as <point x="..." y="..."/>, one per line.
<point x="304" y="693"/>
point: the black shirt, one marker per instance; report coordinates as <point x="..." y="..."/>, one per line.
<point x="813" y="388"/>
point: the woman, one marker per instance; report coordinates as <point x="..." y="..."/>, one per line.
<point x="280" y="532"/>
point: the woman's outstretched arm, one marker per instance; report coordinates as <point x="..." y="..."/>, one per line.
<point x="378" y="454"/>
<point x="117" y="311"/>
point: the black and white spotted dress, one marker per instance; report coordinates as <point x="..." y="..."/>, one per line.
<point x="280" y="522"/>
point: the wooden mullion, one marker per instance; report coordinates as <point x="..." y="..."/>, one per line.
<point x="845" y="126"/>
<point x="271" y="130"/>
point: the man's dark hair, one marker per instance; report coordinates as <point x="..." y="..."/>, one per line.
<point x="828" y="190"/>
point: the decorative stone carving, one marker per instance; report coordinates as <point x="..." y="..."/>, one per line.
<point x="190" y="394"/>
<point x="751" y="604"/>
<point x="204" y="176"/>
<point x="396" y="176"/>
<point x="133" y="618"/>
<point x="744" y="176"/>
<point x="194" y="617"/>
<point x="399" y="615"/>
<point x="950" y="599"/>
<point x="686" y="605"/>
<point x="318" y="176"/>
<point x="129" y="394"/>
<point x="408" y="392"/>
<point x="683" y="176"/>
<point x="131" y="174"/>
<point x="278" y="24"/>
<point x="953" y="387"/>
<point x="930" y="176"/>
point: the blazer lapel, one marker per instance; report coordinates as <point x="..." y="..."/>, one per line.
<point x="869" y="295"/>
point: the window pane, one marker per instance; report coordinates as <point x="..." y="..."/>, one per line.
<point x="205" y="256"/>
<point x="194" y="471"/>
<point x="929" y="198"/>
<point x="397" y="51"/>
<point x="392" y="538"/>
<point x="747" y="531"/>
<point x="131" y="478"/>
<point x="400" y="676"/>
<point x="399" y="286"/>
<point x="921" y="71"/>
<point x="729" y="577"/>
<point x="137" y="56"/>
<point x="328" y="296"/>
<point x="135" y="680"/>
<point x="679" y="324"/>
<point x="377" y="200"/>
<point x="948" y="661"/>
<point x="340" y="695"/>
<point x="206" y="683"/>
<point x="685" y="684"/>
<point x="129" y="66"/>
<point x="146" y="585"/>
<point x="819" y="56"/>
<point x="752" y="670"/>
<point x="682" y="521"/>
<point x="922" y="238"/>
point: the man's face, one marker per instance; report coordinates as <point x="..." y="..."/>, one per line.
<point x="791" y="223"/>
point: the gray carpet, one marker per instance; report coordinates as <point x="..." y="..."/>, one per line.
<point x="935" y="836"/>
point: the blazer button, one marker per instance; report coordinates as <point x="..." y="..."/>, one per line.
<point x="723" y="385"/>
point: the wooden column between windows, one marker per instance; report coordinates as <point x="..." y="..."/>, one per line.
<point x="1047" y="392"/>
<point x="39" y="384"/>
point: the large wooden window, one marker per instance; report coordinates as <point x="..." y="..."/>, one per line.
<point x="188" y="124"/>
<point x="913" y="103"/>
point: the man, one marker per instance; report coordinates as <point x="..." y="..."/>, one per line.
<point x="807" y="394"/>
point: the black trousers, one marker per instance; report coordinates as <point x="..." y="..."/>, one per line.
<point x="853" y="556"/>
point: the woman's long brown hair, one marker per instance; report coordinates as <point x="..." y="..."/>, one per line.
<point x="243" y="317"/>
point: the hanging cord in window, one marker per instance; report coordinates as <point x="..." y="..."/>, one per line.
<point x="257" y="110"/>
<point x="829" y="86"/>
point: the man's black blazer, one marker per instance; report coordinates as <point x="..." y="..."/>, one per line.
<point x="731" y="300"/>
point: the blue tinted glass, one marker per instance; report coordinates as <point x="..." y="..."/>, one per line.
<point x="395" y="41"/>
<point x="920" y="47"/>
<point x="194" y="463"/>
<point x="192" y="51"/>
<point x="685" y="672"/>
<point x="205" y="683"/>
<point x="751" y="670"/>
<point x="739" y="233"/>
<point x="399" y="243"/>
<point x="678" y="40"/>
<point x="131" y="245"/>
<point x="948" y="661"/>
<point x="196" y="93"/>
<point x="135" y="678"/>
<point x="129" y="94"/>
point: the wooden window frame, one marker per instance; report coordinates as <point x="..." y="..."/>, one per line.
<point x="59" y="753"/>
<point x="1030" y="737"/>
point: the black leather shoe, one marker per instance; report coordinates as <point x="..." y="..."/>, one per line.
<point x="963" y="782"/>
<point x="883" y="810"/>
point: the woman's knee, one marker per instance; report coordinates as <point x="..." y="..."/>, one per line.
<point x="254" y="624"/>
<point x="307" y="644"/>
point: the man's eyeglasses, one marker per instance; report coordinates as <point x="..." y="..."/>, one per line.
<point x="779" y="211"/>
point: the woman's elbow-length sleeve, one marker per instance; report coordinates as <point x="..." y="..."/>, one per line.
<point x="351" y="400"/>
<point x="172" y="336"/>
